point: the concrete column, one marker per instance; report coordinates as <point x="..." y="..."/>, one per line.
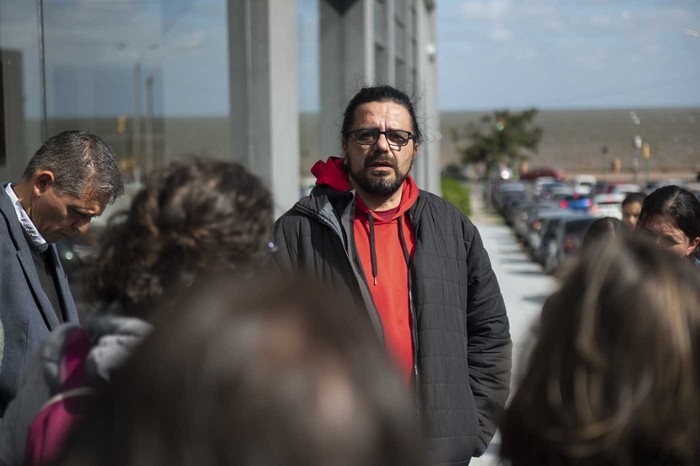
<point x="390" y="42"/>
<point x="427" y="167"/>
<point x="347" y="63"/>
<point x="16" y="155"/>
<point x="263" y="84"/>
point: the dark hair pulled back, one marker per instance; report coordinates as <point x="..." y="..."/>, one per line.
<point x="379" y="94"/>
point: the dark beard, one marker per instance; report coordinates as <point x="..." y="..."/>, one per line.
<point x="377" y="186"/>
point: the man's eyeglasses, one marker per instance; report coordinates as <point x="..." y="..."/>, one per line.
<point x="369" y="137"/>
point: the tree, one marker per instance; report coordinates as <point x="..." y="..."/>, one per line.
<point x="500" y="137"/>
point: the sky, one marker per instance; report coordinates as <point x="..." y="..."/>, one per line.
<point x="490" y="54"/>
<point x="554" y="54"/>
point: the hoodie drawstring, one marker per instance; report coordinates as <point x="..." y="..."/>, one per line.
<point x="373" y="249"/>
<point x="406" y="257"/>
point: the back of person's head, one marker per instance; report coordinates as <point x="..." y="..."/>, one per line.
<point x="197" y="215"/>
<point x="80" y="162"/>
<point x="676" y="203"/>
<point x="604" y="229"/>
<point x="613" y="378"/>
<point x="265" y="372"/>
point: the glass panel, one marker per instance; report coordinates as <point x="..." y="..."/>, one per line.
<point x="380" y="21"/>
<point x="151" y="78"/>
<point x="400" y="73"/>
<point x="20" y="92"/>
<point x="381" y="65"/>
<point x="309" y="89"/>
<point x="400" y="8"/>
<point x="400" y="37"/>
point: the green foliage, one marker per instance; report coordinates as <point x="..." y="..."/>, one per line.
<point x="502" y="137"/>
<point x="457" y="194"/>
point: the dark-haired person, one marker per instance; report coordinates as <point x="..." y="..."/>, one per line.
<point x="247" y="374"/>
<point x="613" y="378"/>
<point x="69" y="181"/>
<point x="415" y="264"/>
<point x="604" y="229"/>
<point x="196" y="216"/>
<point x="631" y="207"/>
<point x="671" y="215"/>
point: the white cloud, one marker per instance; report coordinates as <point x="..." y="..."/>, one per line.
<point x="500" y="34"/>
<point x="600" y="20"/>
<point x="526" y="54"/>
<point x="485" y="10"/>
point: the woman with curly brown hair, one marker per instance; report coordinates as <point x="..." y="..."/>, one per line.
<point x="196" y="217"/>
<point x="614" y="376"/>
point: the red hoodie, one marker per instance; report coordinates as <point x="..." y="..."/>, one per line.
<point x="387" y="275"/>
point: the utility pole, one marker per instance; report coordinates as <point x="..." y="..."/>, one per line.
<point x="636" y="144"/>
<point x="646" y="153"/>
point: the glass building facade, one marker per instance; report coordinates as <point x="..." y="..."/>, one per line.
<point x="246" y="80"/>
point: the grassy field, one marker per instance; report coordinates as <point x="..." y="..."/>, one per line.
<point x="573" y="138"/>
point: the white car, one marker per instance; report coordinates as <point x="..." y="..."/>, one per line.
<point x="608" y="205"/>
<point x="584" y="184"/>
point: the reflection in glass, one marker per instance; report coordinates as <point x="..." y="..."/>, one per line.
<point x="400" y="8"/>
<point x="380" y="21"/>
<point x="400" y="36"/>
<point x="150" y="78"/>
<point x="308" y="25"/>
<point x="400" y="73"/>
<point x="20" y="77"/>
<point x="381" y="65"/>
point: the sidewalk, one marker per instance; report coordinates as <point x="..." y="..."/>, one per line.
<point x="523" y="285"/>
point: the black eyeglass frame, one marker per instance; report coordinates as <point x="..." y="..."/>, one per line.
<point x="377" y="135"/>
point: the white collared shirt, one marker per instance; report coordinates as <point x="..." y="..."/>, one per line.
<point x="32" y="233"/>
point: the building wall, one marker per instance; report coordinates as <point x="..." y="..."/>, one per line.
<point x="373" y="42"/>
<point x="161" y="80"/>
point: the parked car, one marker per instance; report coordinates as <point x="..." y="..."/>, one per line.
<point x="567" y="240"/>
<point x="521" y="221"/>
<point x="624" y="188"/>
<point x="539" y="182"/>
<point x="608" y="205"/>
<point x="576" y="201"/>
<point x="537" y="225"/>
<point x="550" y="226"/>
<point x="505" y="190"/>
<point x="584" y="184"/>
<point x="513" y="207"/>
<point x="551" y="190"/>
<point x="616" y="187"/>
<point x="654" y="185"/>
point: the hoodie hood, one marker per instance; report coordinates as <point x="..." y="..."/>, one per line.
<point x="332" y="174"/>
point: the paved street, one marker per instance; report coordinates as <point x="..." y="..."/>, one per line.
<point x="522" y="282"/>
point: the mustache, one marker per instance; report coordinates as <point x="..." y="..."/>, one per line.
<point x="381" y="159"/>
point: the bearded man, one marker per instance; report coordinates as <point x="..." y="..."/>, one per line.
<point x="414" y="265"/>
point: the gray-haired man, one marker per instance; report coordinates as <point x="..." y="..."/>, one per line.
<point x="69" y="181"/>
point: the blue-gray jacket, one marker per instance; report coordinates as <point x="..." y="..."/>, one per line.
<point x="26" y="313"/>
